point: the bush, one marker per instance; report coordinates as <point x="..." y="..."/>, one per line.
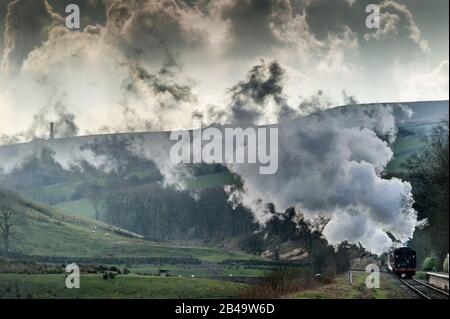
<point x="279" y="282"/>
<point x="323" y="257"/>
<point x="429" y="264"/>
<point x="253" y="244"/>
<point x="105" y="276"/>
<point x="328" y="275"/>
<point x="343" y="259"/>
<point x="126" y="271"/>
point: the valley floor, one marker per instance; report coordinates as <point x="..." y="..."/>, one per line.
<point x="151" y="287"/>
<point x="121" y="287"/>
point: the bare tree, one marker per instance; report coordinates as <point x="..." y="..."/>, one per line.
<point x="96" y="199"/>
<point x="9" y="222"/>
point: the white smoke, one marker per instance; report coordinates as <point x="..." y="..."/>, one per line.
<point x="71" y="153"/>
<point x="156" y="147"/>
<point x="330" y="166"/>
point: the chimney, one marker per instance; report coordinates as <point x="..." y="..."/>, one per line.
<point x="52" y="130"/>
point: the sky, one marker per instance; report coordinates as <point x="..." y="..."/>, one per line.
<point x="155" y="65"/>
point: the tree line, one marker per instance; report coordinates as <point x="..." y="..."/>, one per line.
<point x="166" y="214"/>
<point x="429" y="176"/>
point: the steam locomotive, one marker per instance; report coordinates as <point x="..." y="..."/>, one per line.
<point x="402" y="262"/>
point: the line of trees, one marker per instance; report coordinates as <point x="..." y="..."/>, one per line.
<point x="429" y="175"/>
<point x="166" y="214"/>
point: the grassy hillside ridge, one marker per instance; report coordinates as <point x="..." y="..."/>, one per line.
<point x="46" y="231"/>
<point x="81" y="207"/>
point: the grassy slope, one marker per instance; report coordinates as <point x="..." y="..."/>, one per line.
<point x="130" y="286"/>
<point x="82" y="207"/>
<point x="50" y="232"/>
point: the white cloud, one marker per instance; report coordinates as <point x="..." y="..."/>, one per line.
<point x="423" y="83"/>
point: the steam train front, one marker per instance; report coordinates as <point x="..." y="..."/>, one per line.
<point x="402" y="262"/>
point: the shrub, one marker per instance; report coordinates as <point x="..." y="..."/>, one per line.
<point x="429" y="264"/>
<point x="328" y="275"/>
<point x="279" y="282"/>
<point x="105" y="276"/>
<point x="253" y="244"/>
<point x="126" y="271"/>
<point x="322" y="257"/>
<point x="343" y="260"/>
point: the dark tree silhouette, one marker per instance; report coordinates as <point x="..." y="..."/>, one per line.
<point x="9" y="222"/>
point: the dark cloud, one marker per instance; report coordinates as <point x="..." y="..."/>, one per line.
<point x="317" y="102"/>
<point x="152" y="28"/>
<point x="162" y="83"/>
<point x="3" y="8"/>
<point x="27" y="25"/>
<point x="264" y="85"/>
<point x="399" y="31"/>
<point x="252" y="23"/>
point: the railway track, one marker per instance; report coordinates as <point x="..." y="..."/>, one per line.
<point x="424" y="290"/>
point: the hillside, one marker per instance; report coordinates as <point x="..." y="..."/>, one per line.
<point x="45" y="231"/>
<point x="413" y="133"/>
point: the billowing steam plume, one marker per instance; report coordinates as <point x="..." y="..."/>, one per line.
<point x="330" y="165"/>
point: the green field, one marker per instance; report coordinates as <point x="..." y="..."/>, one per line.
<point x="122" y="287"/>
<point x="341" y="288"/>
<point x="202" y="270"/>
<point x="213" y="180"/>
<point x="81" y="207"/>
